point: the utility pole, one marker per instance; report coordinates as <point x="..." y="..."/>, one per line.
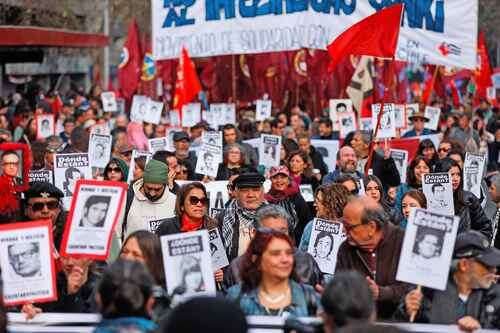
<point x="105" y="70"/>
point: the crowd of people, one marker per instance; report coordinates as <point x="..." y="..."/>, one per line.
<point x="266" y="224"/>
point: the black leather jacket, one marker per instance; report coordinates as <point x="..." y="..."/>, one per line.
<point x="472" y="215"/>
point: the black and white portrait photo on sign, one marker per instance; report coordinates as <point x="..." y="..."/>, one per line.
<point x="210" y="153"/>
<point x="132" y="167"/>
<point x="40" y="176"/>
<point x="400" y="158"/>
<point x="99" y="150"/>
<point x="400" y="115"/>
<point x="326" y="238"/>
<point x="27" y="265"/>
<point x="191" y="114"/>
<point x="307" y="192"/>
<point x="427" y="249"/>
<point x="336" y="107"/>
<point x="157" y="144"/>
<point x="15" y="163"/>
<point x="410" y="110"/>
<point x="433" y="114"/>
<point x="387" y="124"/>
<point x="94" y="213"/>
<point x="473" y="172"/>
<point x="188" y="256"/>
<point x="68" y="169"/>
<point x="108" y="99"/>
<point x="217" y="250"/>
<point x="365" y="124"/>
<point x="139" y="108"/>
<point x="438" y="192"/>
<point x="45" y="125"/>
<point x="174" y="118"/>
<point x="263" y="109"/>
<point x="153" y="113"/>
<point x="269" y="150"/>
<point x="228" y="114"/>
<point x="328" y="150"/>
<point x="347" y="121"/>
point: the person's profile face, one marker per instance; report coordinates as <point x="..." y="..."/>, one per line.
<point x="193" y="280"/>
<point x="428" y="246"/>
<point x="25" y="259"/>
<point x="96" y="213"/>
<point x="10" y="165"/>
<point x="323" y="247"/>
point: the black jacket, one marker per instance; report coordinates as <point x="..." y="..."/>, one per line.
<point x="386" y="171"/>
<point x="318" y="162"/>
<point x="471" y="214"/>
<point x="172" y="226"/>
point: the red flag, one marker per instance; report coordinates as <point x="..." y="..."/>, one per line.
<point x="375" y="35"/>
<point x="483" y="71"/>
<point x="187" y="85"/>
<point x="129" y="69"/>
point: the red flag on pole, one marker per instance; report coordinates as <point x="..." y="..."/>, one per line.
<point x="187" y="85"/>
<point x="376" y="35"/>
<point x="483" y="71"/>
<point x="129" y="69"/>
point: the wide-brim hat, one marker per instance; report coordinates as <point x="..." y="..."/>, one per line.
<point x="420" y="115"/>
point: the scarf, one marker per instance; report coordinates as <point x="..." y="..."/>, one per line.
<point x="233" y="214"/>
<point x="274" y="196"/>
<point x="190" y="224"/>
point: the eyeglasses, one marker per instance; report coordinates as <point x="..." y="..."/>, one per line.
<point x="350" y="227"/>
<point x="10" y="163"/>
<point x="445" y="150"/>
<point x="38" y="206"/>
<point x="114" y="170"/>
<point x="195" y="200"/>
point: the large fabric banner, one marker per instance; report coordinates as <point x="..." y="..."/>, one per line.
<point x="433" y="31"/>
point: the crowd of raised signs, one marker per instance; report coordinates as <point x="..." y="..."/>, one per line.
<point x="163" y="227"/>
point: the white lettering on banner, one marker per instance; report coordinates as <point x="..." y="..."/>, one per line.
<point x="433" y="31"/>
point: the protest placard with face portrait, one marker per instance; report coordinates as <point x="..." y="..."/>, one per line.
<point x="348" y="124"/>
<point x="68" y="169"/>
<point x="217" y="250"/>
<point x="210" y="153"/>
<point x="433" y="114"/>
<point x="400" y="158"/>
<point x="45" y="125"/>
<point x="427" y="249"/>
<point x="473" y="172"/>
<point x="188" y="256"/>
<point x="108" y="99"/>
<point x="136" y="154"/>
<point x="263" y="108"/>
<point x="328" y="150"/>
<point x="139" y="109"/>
<point x="387" y="124"/>
<point x="400" y="115"/>
<point x="153" y="114"/>
<point x="410" y="110"/>
<point x="326" y="238"/>
<point x="94" y="213"/>
<point x="269" y="150"/>
<point x="336" y="107"/>
<point x="15" y="163"/>
<point x="99" y="150"/>
<point x="26" y="259"/>
<point x="438" y="192"/>
<point x="157" y="144"/>
<point x="191" y="114"/>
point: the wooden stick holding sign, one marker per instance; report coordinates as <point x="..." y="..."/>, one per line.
<point x="414" y="314"/>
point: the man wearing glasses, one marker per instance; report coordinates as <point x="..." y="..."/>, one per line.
<point x="372" y="248"/>
<point x="10" y="166"/>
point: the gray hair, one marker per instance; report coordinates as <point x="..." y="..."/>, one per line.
<point x="366" y="136"/>
<point x="377" y="215"/>
<point x="271" y="211"/>
<point x="496" y="181"/>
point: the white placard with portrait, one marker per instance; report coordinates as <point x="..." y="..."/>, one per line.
<point x="263" y="108"/>
<point x="400" y="158"/>
<point x="139" y="108"/>
<point x="427" y="249"/>
<point x="473" y="172"/>
<point x="400" y="115"/>
<point x="410" y="110"/>
<point x="438" y="191"/>
<point x="269" y="150"/>
<point x="326" y="238"/>
<point x="328" y="150"/>
<point x="68" y="169"/>
<point x="337" y="106"/>
<point x="347" y="121"/>
<point x="157" y="144"/>
<point x="433" y="114"/>
<point x="153" y="114"/>
<point x="45" y="126"/>
<point x="210" y="154"/>
<point x="191" y="114"/>
<point x="136" y="154"/>
<point x="99" y="150"/>
<point x="387" y="125"/>
<point x="217" y="250"/>
<point x="108" y="99"/>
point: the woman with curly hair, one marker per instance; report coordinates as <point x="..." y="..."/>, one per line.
<point x="329" y="201"/>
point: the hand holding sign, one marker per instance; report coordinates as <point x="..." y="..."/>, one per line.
<point x="413" y="301"/>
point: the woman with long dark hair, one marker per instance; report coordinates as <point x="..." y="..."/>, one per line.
<point x="427" y="149"/>
<point x="375" y="190"/>
<point x="411" y="199"/>
<point x="417" y="168"/>
<point x="301" y="169"/>
<point x="269" y="286"/>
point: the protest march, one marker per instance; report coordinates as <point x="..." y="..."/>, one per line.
<point x="223" y="166"/>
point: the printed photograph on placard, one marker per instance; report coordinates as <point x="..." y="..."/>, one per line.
<point x="139" y="108"/>
<point x="400" y="158"/>
<point x="400" y="115"/>
<point x="366" y="124"/>
<point x="157" y="144"/>
<point x="68" y="169"/>
<point x="188" y="256"/>
<point x="438" y="191"/>
<point x="347" y="122"/>
<point x="263" y="108"/>
<point x="174" y="118"/>
<point x="217" y="250"/>
<point x="95" y="209"/>
<point x="269" y="150"/>
<point x="210" y="154"/>
<point x="191" y="114"/>
<point x="433" y="114"/>
<point x="108" y="99"/>
<point x="45" y="125"/>
<point x="229" y="114"/>
<point x="328" y="150"/>
<point x="326" y="238"/>
<point x="15" y="163"/>
<point x="427" y="249"/>
<point x="387" y="125"/>
<point x="28" y="269"/>
<point x="153" y="114"/>
<point x="138" y="162"/>
<point x="99" y="150"/>
<point x="410" y="110"/>
<point x="473" y="172"/>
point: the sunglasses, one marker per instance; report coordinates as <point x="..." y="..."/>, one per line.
<point x="445" y="150"/>
<point x="114" y="169"/>
<point x="195" y="200"/>
<point x="38" y="206"/>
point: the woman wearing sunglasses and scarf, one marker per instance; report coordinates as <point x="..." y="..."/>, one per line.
<point x="191" y="214"/>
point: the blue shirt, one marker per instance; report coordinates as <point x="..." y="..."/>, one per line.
<point x="412" y="133"/>
<point x="126" y="324"/>
<point x="304" y="300"/>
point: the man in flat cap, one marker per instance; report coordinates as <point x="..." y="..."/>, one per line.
<point x="237" y="220"/>
<point x="42" y="201"/>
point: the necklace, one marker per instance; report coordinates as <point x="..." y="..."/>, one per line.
<point x="276" y="299"/>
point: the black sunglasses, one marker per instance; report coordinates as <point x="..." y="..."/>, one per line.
<point x="114" y="169"/>
<point x="195" y="200"/>
<point x="38" y="206"/>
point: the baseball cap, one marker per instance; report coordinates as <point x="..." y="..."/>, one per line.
<point x="473" y="244"/>
<point x="279" y="170"/>
<point x="178" y="136"/>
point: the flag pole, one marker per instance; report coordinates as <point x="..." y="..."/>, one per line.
<point x="434" y="75"/>
<point x="233" y="76"/>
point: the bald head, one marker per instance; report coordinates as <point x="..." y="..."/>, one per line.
<point x="367" y="210"/>
<point x="347" y="160"/>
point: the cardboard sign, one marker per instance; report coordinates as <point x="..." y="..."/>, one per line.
<point x="210" y="154"/>
<point x="438" y="192"/>
<point x="347" y="122"/>
<point x="174" y="118"/>
<point x="45" y="126"/>
<point x="188" y="257"/>
<point x="153" y="114"/>
<point x="387" y="125"/>
<point x="473" y="172"/>
<point x="15" y="162"/>
<point x="336" y="107"/>
<point x="99" y="150"/>
<point x="263" y="108"/>
<point x="400" y="158"/>
<point x="269" y="150"/>
<point x="427" y="249"/>
<point x="108" y="99"/>
<point x="217" y="250"/>
<point x="139" y="108"/>
<point x="28" y="270"/>
<point x="326" y="238"/>
<point x="410" y="110"/>
<point x="94" y="213"/>
<point x="68" y="169"/>
<point x="433" y="114"/>
<point x="328" y="150"/>
<point x="191" y="114"/>
<point x="40" y="176"/>
<point x="157" y="144"/>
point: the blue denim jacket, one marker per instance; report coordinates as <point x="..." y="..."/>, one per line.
<point x="304" y="300"/>
<point x="306" y="236"/>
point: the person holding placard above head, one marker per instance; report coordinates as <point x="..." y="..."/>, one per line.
<point x="467" y="205"/>
<point x="268" y="287"/>
<point x="284" y="192"/>
<point x="417" y="168"/>
<point x="471" y="298"/>
<point x="418" y="120"/>
<point x="148" y="199"/>
<point x="372" y="243"/>
<point x="411" y="199"/>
